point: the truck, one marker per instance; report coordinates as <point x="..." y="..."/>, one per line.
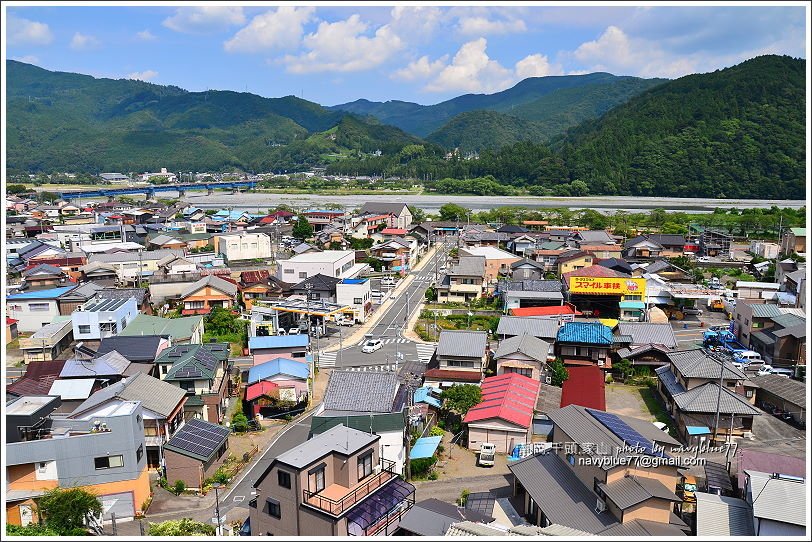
<point x="487" y="454"/>
<point x="724" y="340"/>
<point x="716" y="304"/>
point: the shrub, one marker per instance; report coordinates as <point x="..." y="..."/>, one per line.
<point x="609" y="379"/>
<point x="182" y="527"/>
<point x="436" y="431"/>
<point x="421" y="467"/>
<point x="433" y="476"/>
<point x="463" y="497"/>
<point x="239" y="423"/>
<point x="179" y="487"/>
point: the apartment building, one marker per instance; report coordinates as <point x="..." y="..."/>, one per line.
<point x="243" y="246"/>
<point x="102" y="318"/>
<point x="332" y="263"/>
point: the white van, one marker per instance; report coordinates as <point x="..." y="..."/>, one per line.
<point x="748" y="356"/>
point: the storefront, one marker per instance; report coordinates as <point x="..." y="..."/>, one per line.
<point x="608" y="297"/>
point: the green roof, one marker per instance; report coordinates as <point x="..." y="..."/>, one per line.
<point x="798" y="232"/>
<point x="178" y="328"/>
<point x="193" y="361"/>
<point x="380" y="423"/>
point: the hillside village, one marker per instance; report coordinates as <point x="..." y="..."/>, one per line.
<point x="155" y="348"/>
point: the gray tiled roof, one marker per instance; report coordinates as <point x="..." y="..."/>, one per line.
<point x="648" y="333"/>
<point x="798" y="332"/>
<point x="717" y="515"/>
<point x="704" y="398"/>
<point x="133" y="256"/>
<point x="595" y="236"/>
<point x="43" y="268"/>
<point x="469" y="266"/>
<point x="545" y="328"/>
<point x="698" y="364"/>
<point x="361" y="391"/>
<point x="155" y="395"/>
<point x="470" y="344"/>
<point x="529" y="294"/>
<point x="563" y="498"/>
<point x="228" y="288"/>
<point x="789" y="320"/>
<point x="124" y="293"/>
<point x="525" y="344"/>
<point x="786" y="388"/>
<point x="381" y="207"/>
<point x="632" y="490"/>
<point x="338" y="439"/>
<point x="531" y="285"/>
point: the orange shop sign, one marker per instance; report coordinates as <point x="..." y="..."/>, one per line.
<point x="607" y="286"/>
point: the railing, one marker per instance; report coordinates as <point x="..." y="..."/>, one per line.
<point x="253" y="503"/>
<point x="338" y="507"/>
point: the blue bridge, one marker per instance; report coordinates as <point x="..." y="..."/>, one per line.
<point x="151" y="190"/>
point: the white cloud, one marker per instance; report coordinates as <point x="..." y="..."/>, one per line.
<point x="24" y="32"/>
<point x="415" y="24"/>
<point x="83" y="42"/>
<point x="342" y="47"/>
<point x="199" y="20"/>
<point x="28" y="59"/>
<point x="146" y="35"/>
<point x="280" y="29"/>
<point x="482" y="26"/>
<point x="536" y="65"/>
<point x="421" y="68"/>
<point x="472" y="70"/>
<point x="145" y="75"/>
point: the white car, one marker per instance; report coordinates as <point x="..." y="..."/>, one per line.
<point x="765" y="370"/>
<point x="388" y="281"/>
<point x="703" y="259"/>
<point x="371" y="346"/>
<point x="294" y="331"/>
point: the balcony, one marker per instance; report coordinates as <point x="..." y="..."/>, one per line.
<point x="336" y="499"/>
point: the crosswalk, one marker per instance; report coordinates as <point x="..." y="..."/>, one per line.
<point x="425" y="352"/>
<point x="327" y="359"/>
<point x="379" y="368"/>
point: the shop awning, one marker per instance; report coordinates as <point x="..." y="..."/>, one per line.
<point x="632" y="305"/>
<point x="424" y="447"/>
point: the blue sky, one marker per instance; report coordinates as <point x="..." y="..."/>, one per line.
<point x="426" y="54"/>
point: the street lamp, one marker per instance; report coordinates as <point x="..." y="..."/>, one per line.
<point x="216" y="486"/>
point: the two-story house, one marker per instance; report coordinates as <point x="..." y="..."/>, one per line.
<point x="585" y="343"/>
<point x="591" y="480"/>
<point x="783" y="343"/>
<point x="654" y="245"/>
<point x="793" y="240"/>
<point x="461" y="358"/>
<point x="335" y="484"/>
<point x="203" y="371"/>
<point x="400" y="213"/>
<point x="43" y="276"/>
<point x="396" y="253"/>
<point x="497" y="261"/>
<point x="523" y="354"/>
<point x="689" y="387"/>
<point x="207" y="293"/>
<point x="101" y="318"/>
<point x="463" y="282"/>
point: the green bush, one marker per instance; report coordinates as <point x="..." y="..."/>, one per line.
<point x="437" y="431"/>
<point x="239" y="422"/>
<point x="32" y="529"/>
<point x="421" y="467"/>
<point x="179" y="487"/>
<point x="182" y="527"/>
<point x="433" y="476"/>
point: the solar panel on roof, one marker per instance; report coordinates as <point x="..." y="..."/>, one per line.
<point x="624" y="432"/>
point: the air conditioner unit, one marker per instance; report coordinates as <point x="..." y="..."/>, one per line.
<point x="600" y="506"/>
<point x="377" y="469"/>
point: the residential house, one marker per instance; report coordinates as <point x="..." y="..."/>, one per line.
<point x="184" y="330"/>
<point x="321" y="218"/>
<point x="793" y="240"/>
<point x="794" y="289"/>
<point x="260" y="284"/>
<point x="530" y="293"/>
<point x="141" y="296"/>
<point x="585" y="386"/>
<point x="103" y="454"/>
<point x="751" y="316"/>
<point x="335" y="484"/>
<point x="585" y="343"/>
<point x="497" y="262"/>
<point x="504" y="417"/>
<point x="195" y="452"/>
<point x="290" y="381"/>
<point x="69" y="263"/>
<point x="356" y="294"/>
<point x="32" y="310"/>
<point x="402" y="216"/>
<point x="333" y="263"/>
<point x="203" y="370"/>
<point x="79" y="296"/>
<point x="368" y="225"/>
<point x="524" y="244"/>
<point x="100" y="273"/>
<point x="463" y="282"/>
<point x="317" y="288"/>
<point x="781" y="341"/>
<point x="267" y="348"/>
<point x="715" y="243"/>
<point x="304" y="248"/>
<point x="545" y="329"/>
<point x="525" y="355"/>
<point x="165" y="241"/>
<point x="208" y="293"/>
<point x="11" y="330"/>
<point x="573" y="260"/>
<point x="663" y="269"/>
<point x="476" y="238"/>
<point x="602" y="252"/>
<point x="654" y="245"/>
<point x="329" y="236"/>
<point x="141" y="349"/>
<point x="616" y="264"/>
<point x="130" y="266"/>
<point x="769" y="495"/>
<point x="396" y="254"/>
<point x="762" y="249"/>
<point x="161" y="403"/>
<point x="756" y="290"/>
<point x="778" y="391"/>
<point x="176" y="265"/>
<point x="689" y="387"/>
<point x="460" y="358"/>
<point x="47" y="342"/>
<point x="587" y="487"/>
<point x="785" y="267"/>
<point x="44" y="276"/>
<point x="243" y="246"/>
<point x="645" y="343"/>
<point x="380" y="409"/>
<point x="433" y="517"/>
<point x="525" y="269"/>
<point x="719" y="515"/>
<point x="102" y="317"/>
<point x="591" y="237"/>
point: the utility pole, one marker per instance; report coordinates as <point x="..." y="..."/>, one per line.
<point x="718" y="395"/>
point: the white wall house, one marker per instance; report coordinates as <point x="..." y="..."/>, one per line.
<point x="32" y="310"/>
<point x="356" y="293"/>
<point x="243" y="246"/>
<point x="101" y="318"/>
<point x="128" y="265"/>
<point x="332" y="263"/>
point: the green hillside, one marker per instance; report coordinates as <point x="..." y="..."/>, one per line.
<point x="737" y="132"/>
<point x="479" y="130"/>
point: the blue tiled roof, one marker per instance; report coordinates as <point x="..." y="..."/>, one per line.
<point x="277" y="366"/>
<point x="585" y="333"/>
<point x="278" y="341"/>
<point x="52" y="293"/>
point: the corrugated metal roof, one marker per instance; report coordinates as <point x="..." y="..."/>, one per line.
<point x="73" y="388"/>
<point x="545" y="328"/>
<point x="470" y="344"/>
<point x="279" y="341"/>
<point x="529" y="294"/>
<point x="525" y="344"/>
<point x="278" y="366"/>
<point x="786" y="388"/>
<point x="51" y="293"/>
<point x="768" y="461"/>
<point x="669" y="380"/>
<point x="704" y="399"/>
<point x="469" y="528"/>
<point x="510" y="397"/>
<point x="585" y="333"/>
<point x="771" y="497"/>
<point x="585" y="386"/>
<point x="765" y="311"/>
<point x="338" y="439"/>
<point x="109" y="364"/>
<point x="632" y="490"/>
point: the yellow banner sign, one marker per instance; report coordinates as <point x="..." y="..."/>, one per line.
<point x="607" y="286"/>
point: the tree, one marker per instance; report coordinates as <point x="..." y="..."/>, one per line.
<point x="20" y="189"/>
<point x="65" y="510"/>
<point x="459" y="399"/>
<point x="222" y="321"/>
<point x="182" y="527"/>
<point x="418" y="214"/>
<point x="453" y="212"/>
<point x="624" y="367"/>
<point x="558" y="373"/>
<point x="239" y="422"/>
<point x="302" y="230"/>
<point x="32" y="529"/>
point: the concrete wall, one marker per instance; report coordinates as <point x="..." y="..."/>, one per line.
<point x="28" y="320"/>
<point x="243" y="246"/>
<point x="126" y="312"/>
<point x="504" y="434"/>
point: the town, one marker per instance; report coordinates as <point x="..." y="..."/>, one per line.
<point x="384" y="370"/>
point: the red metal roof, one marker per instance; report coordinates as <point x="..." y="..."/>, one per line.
<point x="545" y="311"/>
<point x="394" y="231"/>
<point x="10" y="321"/>
<point x="451" y="375"/>
<point x="510" y="397"/>
<point x="38" y="378"/>
<point x="258" y="389"/>
<point x="585" y="387"/>
<point x="597" y="271"/>
<point x="254" y="277"/>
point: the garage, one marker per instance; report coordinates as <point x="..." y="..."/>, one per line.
<point x="120" y="504"/>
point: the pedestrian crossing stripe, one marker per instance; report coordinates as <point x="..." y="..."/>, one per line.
<point x="327" y="359"/>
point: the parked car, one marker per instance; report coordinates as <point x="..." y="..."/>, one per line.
<point x="388" y="281"/>
<point x="703" y="259"/>
<point x="691" y="310"/>
<point x="783" y="371"/>
<point x="294" y="331"/>
<point x="371" y="346"/>
<point x="687" y="488"/>
<point x="344" y="321"/>
<point x="487" y="454"/>
<point x="765" y="370"/>
<point x="281" y="331"/>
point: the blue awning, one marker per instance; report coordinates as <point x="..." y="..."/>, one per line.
<point x="632" y="305"/>
<point x="698" y="430"/>
<point x="369" y="511"/>
<point x="424" y="447"/>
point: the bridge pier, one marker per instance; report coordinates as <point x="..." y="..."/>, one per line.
<point x="210" y="191"/>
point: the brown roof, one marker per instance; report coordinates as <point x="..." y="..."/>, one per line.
<point x="452" y="375"/>
<point x="38" y="378"/>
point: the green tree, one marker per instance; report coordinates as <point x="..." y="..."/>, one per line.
<point x="302" y="230"/>
<point x="418" y="214"/>
<point x="459" y="399"/>
<point x="239" y="422"/>
<point x="32" y="529"/>
<point x="66" y="510"/>
<point x="558" y="373"/>
<point x="453" y="212"/>
<point x="16" y="189"/>
<point x="361" y="244"/>
<point x="624" y="367"/>
<point x="181" y="527"/>
<point x="222" y="321"/>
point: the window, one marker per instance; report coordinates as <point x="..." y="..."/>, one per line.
<point x="123" y="323"/>
<point x="298" y="355"/>
<point x="274" y="508"/>
<point x="315" y="295"/>
<point x="598" y="491"/>
<point x="187" y="385"/>
<point x="746" y="321"/>
<point x="109" y="462"/>
<point x="365" y="465"/>
<point x="39" y="307"/>
<point x="571" y="459"/>
<point x="357" y="300"/>
<point x="316" y="479"/>
<point x="195" y="304"/>
<point x="139" y="453"/>
<point x="288" y="271"/>
<point x="42" y="467"/>
<point x="284" y="478"/>
<point x="303" y="274"/>
<point x="84" y="329"/>
<point x="524" y="372"/>
<point x="748" y="393"/>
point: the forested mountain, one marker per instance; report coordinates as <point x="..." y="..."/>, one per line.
<point x="480" y="130"/>
<point x="422" y="120"/>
